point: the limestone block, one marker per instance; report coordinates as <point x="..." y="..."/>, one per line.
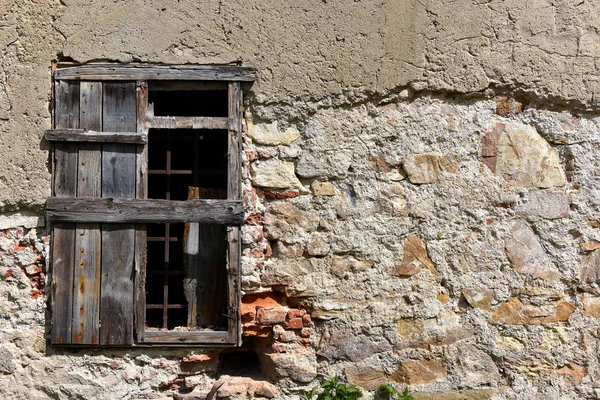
<point x="590" y="267"/>
<point x="340" y="265"/>
<point x="318" y="245"/>
<point x="521" y="156"/>
<point x="275" y="173"/>
<point x="514" y="312"/>
<point x="298" y="364"/>
<point x="422" y="168"/>
<point x="591" y="306"/>
<point x="284" y="220"/>
<point x="444" y="330"/>
<point x="573" y="372"/>
<point x="545" y="204"/>
<point x="471" y="394"/>
<point x="526" y="254"/>
<point x="270" y="134"/>
<point x="478" y="298"/>
<point x="323" y="188"/>
<point x="475" y="366"/>
<point x="416" y="372"/>
<point x="369" y="378"/>
<point x="415" y="257"/>
<point x="345" y="344"/>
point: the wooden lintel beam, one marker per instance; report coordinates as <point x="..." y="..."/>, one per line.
<point x="157" y="72"/>
<point x="142" y="211"/>
<point x="187" y="122"/>
<point x="80" y="135"/>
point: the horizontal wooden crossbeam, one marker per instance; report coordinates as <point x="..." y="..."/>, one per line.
<point x="111" y="210"/>
<point x="80" y="135"/>
<point x="174" y="337"/>
<point x="156" y="72"/>
<point x="187" y="122"/>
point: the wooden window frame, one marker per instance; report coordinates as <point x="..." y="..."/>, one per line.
<point x="140" y="210"/>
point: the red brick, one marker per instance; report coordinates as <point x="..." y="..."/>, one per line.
<point x="296" y="313"/>
<point x="271" y="315"/>
<point x="306" y="342"/>
<point x="306" y="332"/>
<point x="294" y="323"/>
<point x="256" y="331"/>
<point x="254" y="219"/>
<point x="307" y="321"/>
<point x="275" y="195"/>
<point x="195" y="358"/>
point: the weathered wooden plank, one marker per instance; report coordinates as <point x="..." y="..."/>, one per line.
<point x="80" y="135"/>
<point x="188" y="122"/>
<point x="66" y="114"/>
<point x="140" y="230"/>
<point x="141" y="211"/>
<point x="86" y="294"/>
<point x="204" y="337"/>
<point x="149" y="73"/>
<point x="116" y="292"/>
<point x="234" y="193"/>
<point x="211" y="257"/>
<point x="190" y="264"/>
<point x="66" y="107"/>
<point x="118" y="241"/>
<point x="169" y="86"/>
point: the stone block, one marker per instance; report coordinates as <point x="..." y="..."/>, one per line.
<point x="270" y="134"/>
<point x="369" y="378"/>
<point x="526" y="254"/>
<point x="422" y="168"/>
<point x="514" y="312"/>
<point x="518" y="154"/>
<point x="478" y="298"/>
<point x="573" y="373"/>
<point x="417" y="372"/>
<point x="276" y="174"/>
<point x="323" y="188"/>
<point x="298" y="364"/>
<point x="318" y="245"/>
<point x="340" y="265"/>
<point x="283" y="220"/>
<point x="469" y="394"/>
<point x="446" y="329"/>
<point x="590" y="267"/>
<point x="347" y="345"/>
<point x="591" y="306"/>
<point x="415" y="258"/>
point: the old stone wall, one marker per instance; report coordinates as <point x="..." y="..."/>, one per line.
<point x="422" y="190"/>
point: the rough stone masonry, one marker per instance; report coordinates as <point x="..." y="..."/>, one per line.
<point x="421" y="184"/>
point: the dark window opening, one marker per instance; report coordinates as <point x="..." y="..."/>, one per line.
<point x="207" y="100"/>
<point x="186" y="283"/>
<point x="178" y="159"/>
<point x="240" y="363"/>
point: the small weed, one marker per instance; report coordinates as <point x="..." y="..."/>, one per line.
<point x="388" y="392"/>
<point x="333" y="389"/>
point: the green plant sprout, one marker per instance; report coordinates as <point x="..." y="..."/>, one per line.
<point x="388" y="392"/>
<point x="333" y="389"/>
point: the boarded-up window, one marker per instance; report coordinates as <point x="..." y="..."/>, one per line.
<point x="146" y="204"/>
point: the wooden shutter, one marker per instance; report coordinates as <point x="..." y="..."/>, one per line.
<point x="92" y="263"/>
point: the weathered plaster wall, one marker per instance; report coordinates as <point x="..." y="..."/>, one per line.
<point x="421" y="181"/>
